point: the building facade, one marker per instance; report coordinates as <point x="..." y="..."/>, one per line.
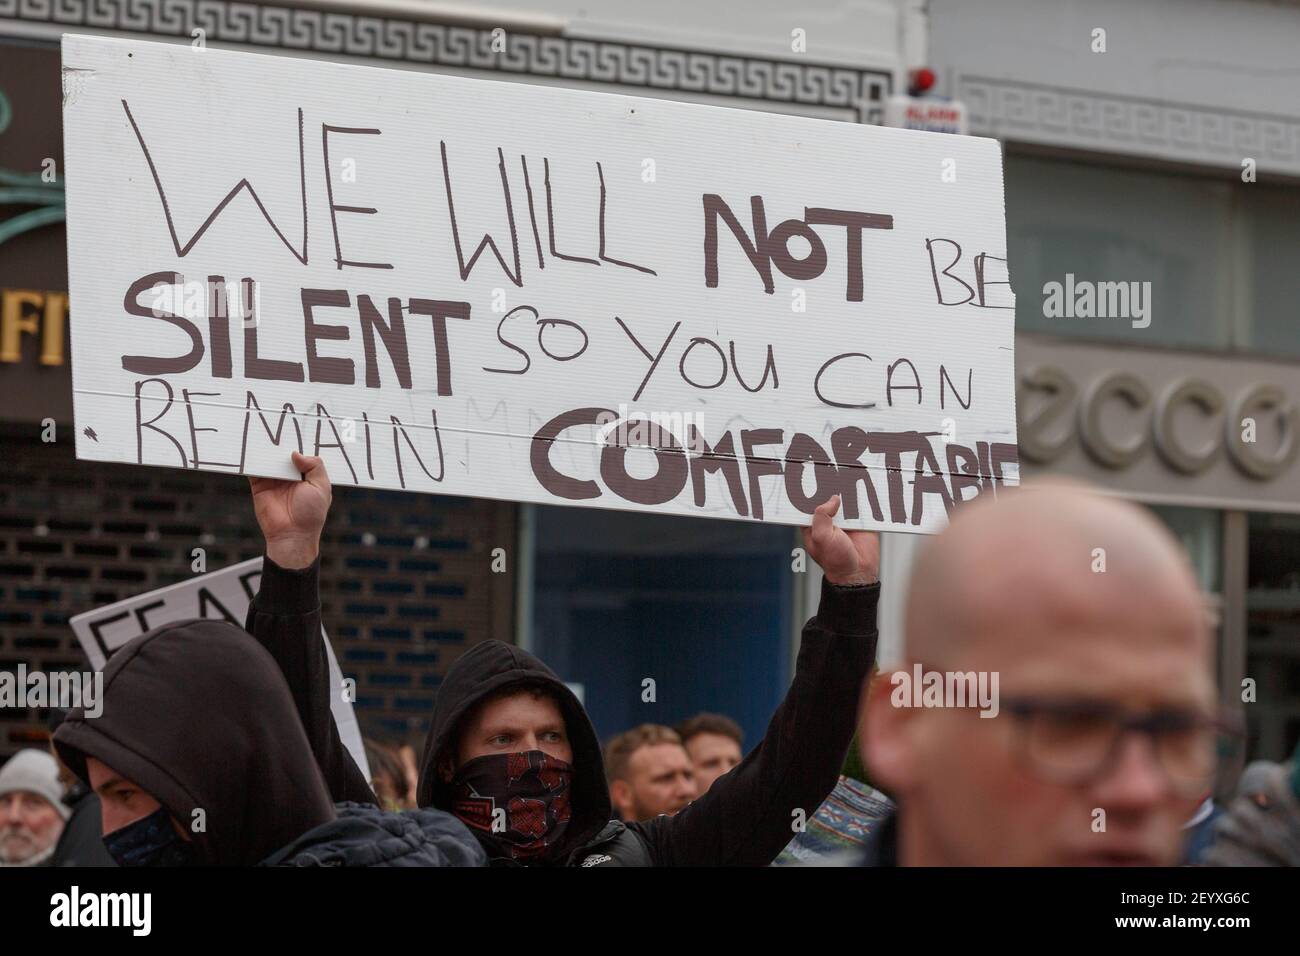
<point x="1155" y="146"/>
<point x="1152" y="154"/>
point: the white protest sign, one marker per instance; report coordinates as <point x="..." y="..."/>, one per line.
<point x="521" y="292"/>
<point x="218" y="595"/>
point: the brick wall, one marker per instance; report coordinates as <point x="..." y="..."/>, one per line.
<point x="406" y="578"/>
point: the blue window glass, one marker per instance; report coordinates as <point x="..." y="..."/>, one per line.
<point x="701" y="607"/>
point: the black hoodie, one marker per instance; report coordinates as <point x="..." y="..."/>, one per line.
<point x="479" y="672"/>
<point x="744" y="819"/>
<point x="198" y="715"/>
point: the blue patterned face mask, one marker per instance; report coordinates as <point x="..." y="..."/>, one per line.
<point x="150" y="841"/>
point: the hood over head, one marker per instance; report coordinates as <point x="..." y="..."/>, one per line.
<point x="482" y="671"/>
<point x="198" y="715"/>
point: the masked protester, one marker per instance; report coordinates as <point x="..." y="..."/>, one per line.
<point x="199" y="758"/>
<point x="537" y="812"/>
<point x="511" y="751"/>
<point x="82" y="841"/>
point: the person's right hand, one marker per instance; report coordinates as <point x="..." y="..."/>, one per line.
<point x="845" y="557"/>
<point x="291" y="513"/>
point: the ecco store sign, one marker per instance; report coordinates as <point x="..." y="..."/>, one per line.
<point x="1239" y="420"/>
<point x="1218" y="428"/>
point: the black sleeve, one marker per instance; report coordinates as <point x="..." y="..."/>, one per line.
<point x="746" y="818"/>
<point x="285" y="618"/>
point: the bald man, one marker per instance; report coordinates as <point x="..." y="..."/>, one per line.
<point x="1065" y="712"/>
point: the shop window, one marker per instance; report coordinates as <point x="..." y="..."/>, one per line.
<point x="1200" y="532"/>
<point x="1100" y="224"/>
<point x="1218" y="254"/>
<point x="701" y="607"/>
<point x="1269" y="312"/>
<point x="1273" y="635"/>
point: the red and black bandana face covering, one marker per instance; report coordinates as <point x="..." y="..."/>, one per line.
<point x="532" y="788"/>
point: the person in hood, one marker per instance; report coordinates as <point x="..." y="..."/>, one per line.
<point x="198" y="758"/>
<point x="512" y="752"/>
<point x="82" y="841"/>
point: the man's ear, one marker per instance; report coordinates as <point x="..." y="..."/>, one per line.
<point x="883" y="734"/>
<point x="620" y="794"/>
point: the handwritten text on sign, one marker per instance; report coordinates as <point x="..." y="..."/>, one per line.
<point x="495" y="289"/>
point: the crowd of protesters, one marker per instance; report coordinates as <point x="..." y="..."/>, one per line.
<point x="216" y="743"/>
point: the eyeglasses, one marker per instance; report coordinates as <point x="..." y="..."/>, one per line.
<point x="1077" y="742"/>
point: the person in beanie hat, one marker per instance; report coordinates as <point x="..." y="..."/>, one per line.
<point x="32" y="811"/>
